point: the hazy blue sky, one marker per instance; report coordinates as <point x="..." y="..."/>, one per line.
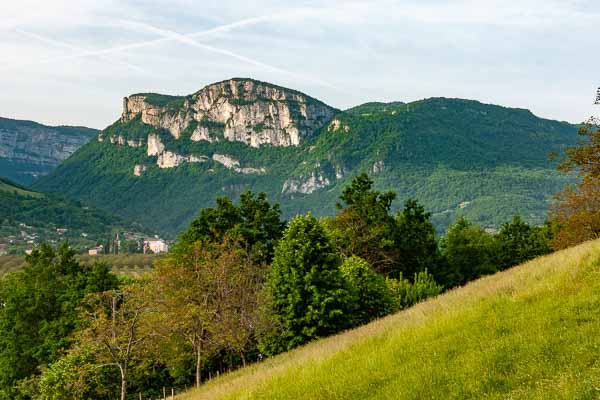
<point x="71" y="62"/>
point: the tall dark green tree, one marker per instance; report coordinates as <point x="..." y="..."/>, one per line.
<point x="39" y="311"/>
<point x="309" y="296"/>
<point x="415" y="241"/>
<point x="364" y="226"/>
<point x="254" y="223"/>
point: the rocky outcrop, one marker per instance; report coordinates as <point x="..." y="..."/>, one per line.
<point x="336" y="125"/>
<point x="138" y="169"/>
<point x="29" y="150"/>
<point x="202" y="133"/>
<point x="231" y="163"/>
<point x="243" y="110"/>
<point x="378" y="167"/>
<point x="155" y="146"/>
<point x="169" y="159"/>
<point x="308" y="185"/>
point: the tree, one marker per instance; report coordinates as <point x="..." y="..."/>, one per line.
<point x="74" y="376"/>
<point x="518" y="242"/>
<point x="309" y="297"/>
<point x="209" y="299"/>
<point x="576" y="213"/>
<point x="115" y="328"/>
<point x="254" y="223"/>
<point x="370" y="296"/>
<point x="40" y="310"/>
<point x="469" y="253"/>
<point x="416" y="241"/>
<point x="576" y="210"/>
<point x="364" y="226"/>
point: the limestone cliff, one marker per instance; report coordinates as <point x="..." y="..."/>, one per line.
<point x="242" y="110"/>
<point x="29" y="150"/>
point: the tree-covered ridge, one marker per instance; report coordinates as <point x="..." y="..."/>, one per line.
<point x="162" y="100"/>
<point x="8" y="123"/>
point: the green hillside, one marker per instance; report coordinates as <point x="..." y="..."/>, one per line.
<point x="531" y="332"/>
<point x="457" y="157"/>
<point x="28" y="217"/>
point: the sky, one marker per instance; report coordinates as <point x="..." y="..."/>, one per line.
<point x="71" y="61"/>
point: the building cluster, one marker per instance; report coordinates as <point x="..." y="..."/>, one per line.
<point x="154" y="245"/>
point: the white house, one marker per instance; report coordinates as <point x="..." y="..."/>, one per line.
<point x="94" y="251"/>
<point x="156" y="246"/>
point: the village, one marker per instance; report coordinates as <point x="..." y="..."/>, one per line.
<point x="20" y="239"/>
<point x="131" y="243"/>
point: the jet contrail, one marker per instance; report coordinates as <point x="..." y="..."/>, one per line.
<point x="187" y="39"/>
<point x="218" y="29"/>
<point x="76" y="48"/>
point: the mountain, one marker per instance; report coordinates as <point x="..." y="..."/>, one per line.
<point x="531" y="332"/>
<point x="29" y="217"/>
<point x="168" y="156"/>
<point x="29" y="150"/>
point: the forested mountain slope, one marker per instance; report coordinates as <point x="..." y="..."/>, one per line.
<point x="169" y="156"/>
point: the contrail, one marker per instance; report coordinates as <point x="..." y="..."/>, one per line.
<point x="76" y="48"/>
<point x="212" y="31"/>
<point x="187" y="39"/>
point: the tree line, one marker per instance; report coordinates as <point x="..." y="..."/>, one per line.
<point x="241" y="284"/>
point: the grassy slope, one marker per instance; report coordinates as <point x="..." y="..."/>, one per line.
<point x="8" y="186"/>
<point x="532" y="332"/>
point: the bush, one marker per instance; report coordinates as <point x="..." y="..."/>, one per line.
<point x="406" y="294"/>
<point x="371" y="298"/>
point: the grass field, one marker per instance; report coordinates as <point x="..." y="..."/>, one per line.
<point x="532" y="332"/>
<point x="133" y="265"/>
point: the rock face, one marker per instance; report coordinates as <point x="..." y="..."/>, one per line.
<point x="242" y="110"/>
<point x="29" y="150"/>
<point x="308" y="185"/>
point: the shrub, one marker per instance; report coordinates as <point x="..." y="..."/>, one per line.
<point x="371" y="298"/>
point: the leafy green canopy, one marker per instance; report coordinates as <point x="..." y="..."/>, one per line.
<point x="470" y="252"/>
<point x="308" y="292"/>
<point x="365" y="227"/>
<point x="370" y="296"/>
<point x="254" y="222"/>
<point x="40" y="310"/>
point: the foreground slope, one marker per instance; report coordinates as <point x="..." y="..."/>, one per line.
<point x="29" y="150"/>
<point x="168" y="156"/>
<point x="531" y="332"/>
